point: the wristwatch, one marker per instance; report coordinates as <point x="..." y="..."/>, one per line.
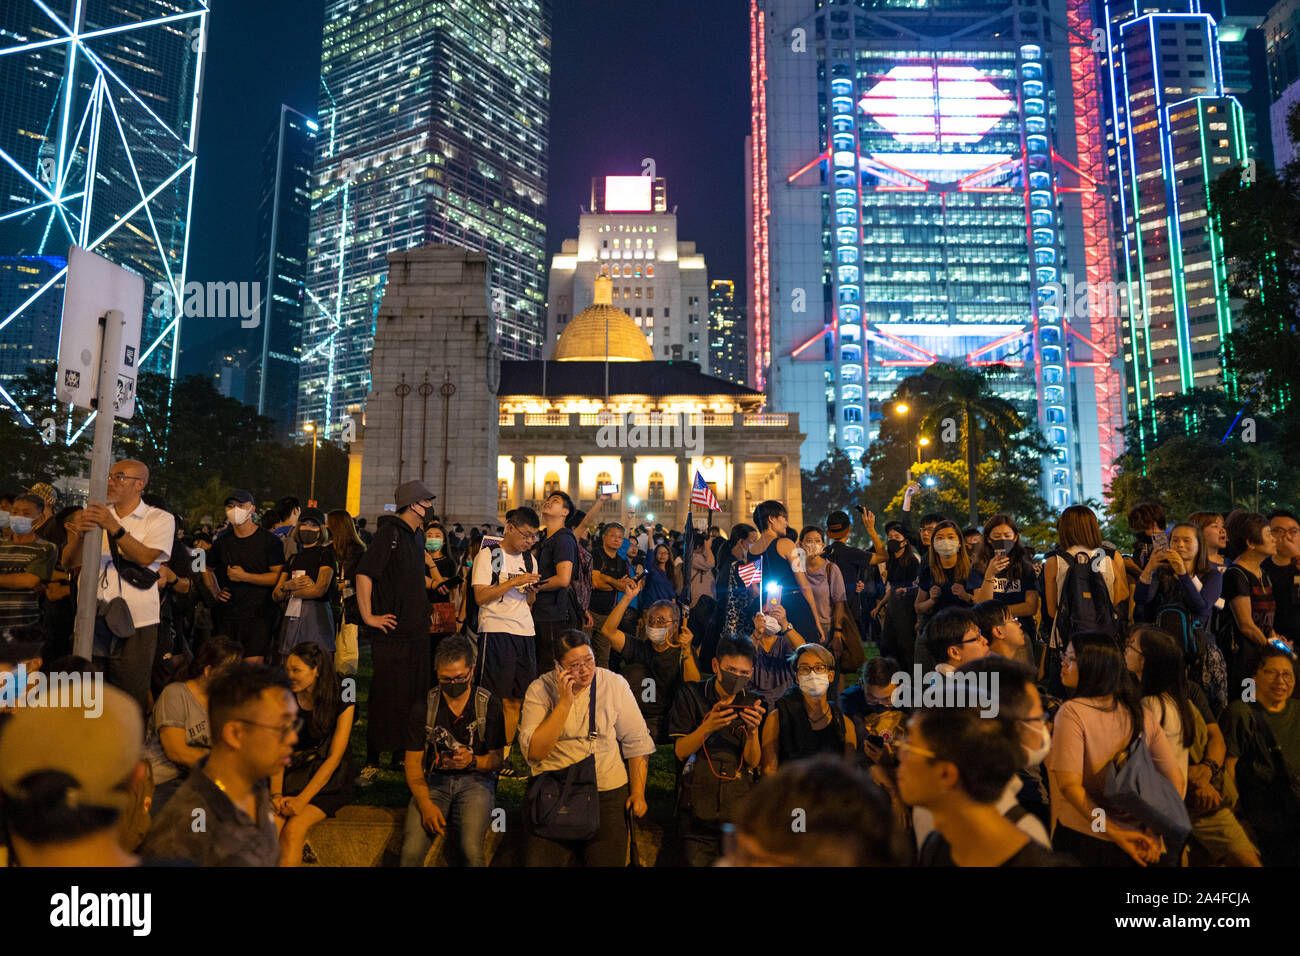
<point x="119" y="533"/>
<point x="785" y="632"/>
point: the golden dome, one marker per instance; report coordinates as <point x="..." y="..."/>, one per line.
<point x="584" y="338"/>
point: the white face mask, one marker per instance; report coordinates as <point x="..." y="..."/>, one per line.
<point x="812" y="550"/>
<point x="771" y="624"/>
<point x="658" y="635"/>
<point x="946" y="548"/>
<point x="1039" y="754"/>
<point x="20" y="525"/>
<point x="814" y="685"/>
<point x="238" y="516"/>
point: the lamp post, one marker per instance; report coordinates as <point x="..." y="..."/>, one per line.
<point x="902" y="409"/>
<point x="921" y="442"/>
<point x="311" y="495"/>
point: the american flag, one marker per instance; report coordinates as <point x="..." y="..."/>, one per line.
<point x="702" y="494"/>
<point x="751" y="573"/>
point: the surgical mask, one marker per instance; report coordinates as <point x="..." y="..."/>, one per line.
<point x="771" y="624"/>
<point x="814" y="685"/>
<point x="309" y="537"/>
<point x="731" y="684"/>
<point x="812" y="550"/>
<point x="455" y="690"/>
<point x="20" y="525"/>
<point x="238" y="516"/>
<point x="659" y="635"/>
<point x="433" y="544"/>
<point x="4" y="519"/>
<point x="945" y="547"/>
<point x="895" y="546"/>
<point x="1039" y="754"/>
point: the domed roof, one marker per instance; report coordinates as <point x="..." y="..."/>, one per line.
<point x="584" y="338"/>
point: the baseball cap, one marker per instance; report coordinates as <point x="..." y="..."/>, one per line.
<point x="314" y="515"/>
<point x="410" y="492"/>
<point x="45" y="492"/>
<point x="240" y="497"/>
<point x="98" y="752"/>
<point x="838" y="521"/>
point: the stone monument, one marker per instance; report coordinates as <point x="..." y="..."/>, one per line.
<point x="431" y="413"/>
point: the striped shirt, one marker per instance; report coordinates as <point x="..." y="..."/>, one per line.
<point x="21" y="606"/>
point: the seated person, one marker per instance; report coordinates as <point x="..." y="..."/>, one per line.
<point x="956" y="764"/>
<point x="954" y="638"/>
<point x="1000" y="628"/>
<point x="774" y="641"/>
<point x="805" y="722"/>
<point x="714" y="726"/>
<point x="455" y="745"/>
<point x="1263" y="761"/>
<point x="656" y="659"/>
<point x="869" y="704"/>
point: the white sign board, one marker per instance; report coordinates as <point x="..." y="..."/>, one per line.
<point x="94" y="286"/>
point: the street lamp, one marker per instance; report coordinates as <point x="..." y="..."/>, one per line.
<point x="921" y="442"/>
<point x="902" y="408"/>
<point x="311" y="495"/>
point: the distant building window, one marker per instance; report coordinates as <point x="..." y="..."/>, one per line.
<point x="657" y="478"/>
<point x="550" y="485"/>
<point x="503" y="490"/>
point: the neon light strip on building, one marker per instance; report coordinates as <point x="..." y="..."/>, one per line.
<point x="761" y="251"/>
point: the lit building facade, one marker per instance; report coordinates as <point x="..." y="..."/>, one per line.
<point x="1282" y="49"/>
<point x="434" y="124"/>
<point x="727" y="332"/>
<point x="925" y="185"/>
<point x="98" y="128"/>
<point x="283" y="216"/>
<point x="631" y="237"/>
<point x="1175" y="132"/>
<point x="32" y="337"/>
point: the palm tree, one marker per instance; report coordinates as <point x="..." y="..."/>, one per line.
<point x="964" y="395"/>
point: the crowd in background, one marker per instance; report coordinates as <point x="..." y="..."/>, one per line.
<point x="769" y="663"/>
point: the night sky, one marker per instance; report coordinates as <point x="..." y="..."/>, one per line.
<point x="668" y="80"/>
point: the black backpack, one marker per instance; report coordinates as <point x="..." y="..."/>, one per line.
<point x="471" y="604"/>
<point x="1186" y="631"/>
<point x="1085" y="600"/>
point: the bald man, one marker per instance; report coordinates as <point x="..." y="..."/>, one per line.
<point x="141" y="535"/>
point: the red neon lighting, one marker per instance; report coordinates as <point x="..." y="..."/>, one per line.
<point x="906" y="344"/>
<point x="761" y="250"/>
<point x="925" y="183"/>
<point x="961" y="183"/>
<point x="1079" y="335"/>
<point x="1010" y="337"/>
<point x="804" y="169"/>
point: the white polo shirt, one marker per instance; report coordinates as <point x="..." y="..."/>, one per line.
<point x="621" y="728"/>
<point x="153" y="528"/>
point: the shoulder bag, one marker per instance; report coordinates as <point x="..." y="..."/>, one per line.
<point x="565" y="804"/>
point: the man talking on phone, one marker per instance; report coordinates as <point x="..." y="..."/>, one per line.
<point x="714" y="725"/>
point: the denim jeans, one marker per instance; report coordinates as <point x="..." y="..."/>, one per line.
<point x="466" y="801"/>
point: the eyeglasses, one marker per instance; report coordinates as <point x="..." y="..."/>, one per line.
<point x="803" y="670"/>
<point x="580" y="667"/>
<point x="123" y="476"/>
<point x="901" y="743"/>
<point x="1285" y="677"/>
<point x="284" y="732"/>
<point x="974" y="640"/>
<point x="661" y="622"/>
<point x="1292" y="533"/>
<point x="526" y="535"/>
<point x="463" y="679"/>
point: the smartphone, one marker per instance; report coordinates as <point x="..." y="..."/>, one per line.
<point x="1280" y="646"/>
<point x="774" y="594"/>
<point x="609" y="489"/>
<point x="875" y="740"/>
<point x="1159" y="540"/>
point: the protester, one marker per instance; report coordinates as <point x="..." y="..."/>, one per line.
<point x="442" y="578"/>
<point x="702" y="570"/>
<point x="1283" y="570"/>
<point x="954" y="638"/>
<point x="783" y="569"/>
<point x="737" y="601"/>
<point x="455" y="745"/>
<point x="774" y="642"/>
<point x="284" y="519"/>
<point x="1215" y="536"/>
<point x="66" y="778"/>
<point x="898" y="606"/>
<point x="318" y="779"/>
<point x="805" y="721"/>
<point x="1002" y="572"/>
<point x="940" y="585"/>
<point x="26" y="564"/>
<point x="142" y="537"/>
<point x="663" y="579"/>
<point x="830" y="599"/>
<point x="307" y="587"/>
<point x="1000" y="629"/>
<point x="555" y="733"/>
<point x="656" y="659"/>
<point x="610" y="577"/>
<point x="254" y="726"/>
<point x="555" y="607"/>
<point x="854" y="564"/>
<point x="1248" y="595"/>
<point x="178" y="737"/>
<point x="246" y="564"/>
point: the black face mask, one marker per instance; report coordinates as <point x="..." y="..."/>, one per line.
<point x="308" y="538"/>
<point x="454" y="690"/>
<point x="895" y="547"/>
<point x="732" y="683"/>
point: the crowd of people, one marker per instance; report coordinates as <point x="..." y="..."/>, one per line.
<point x="784" y="673"/>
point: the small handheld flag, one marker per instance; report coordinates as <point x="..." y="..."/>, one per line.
<point x="751" y="573"/>
<point x="702" y="494"/>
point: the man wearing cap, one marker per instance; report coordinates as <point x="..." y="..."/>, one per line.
<point x="222" y="815"/>
<point x="245" y="563"/>
<point x="395" y="611"/>
<point x="852" y="562"/>
<point x="26" y="562"/>
<point x="66" y="776"/>
<point x="47" y="527"/>
<point x="142" y="535"/>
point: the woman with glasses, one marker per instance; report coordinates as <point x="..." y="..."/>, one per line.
<point x="1090" y="729"/>
<point x="556" y="732"/>
<point x="805" y="722"/>
<point x="318" y="780"/>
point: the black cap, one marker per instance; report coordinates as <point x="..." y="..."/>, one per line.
<point x="239" y="496"/>
<point x="838" y="521"/>
<point x="314" y="515"/>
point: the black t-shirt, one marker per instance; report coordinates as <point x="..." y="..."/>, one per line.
<point x="257" y="553"/>
<point x="311" y="560"/>
<point x="935" y="851"/>
<point x="553" y="606"/>
<point x="948" y="577"/>
<point x="307" y="739"/>
<point x="691" y="705"/>
<point x="447" y="727"/>
<point x="449" y="570"/>
<point x="1285" y="579"/>
<point x="602" y="602"/>
<point x="394" y="562"/>
<point x="654" y="677"/>
<point x="1238" y="582"/>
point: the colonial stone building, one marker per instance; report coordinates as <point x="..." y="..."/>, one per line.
<point x="600" y="420"/>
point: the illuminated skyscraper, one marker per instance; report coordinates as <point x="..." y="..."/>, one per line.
<point x="1175" y="132"/>
<point x="98" y="124"/>
<point x="727" y="334"/>
<point x="1282" y="45"/>
<point x="283" y="215"/>
<point x="433" y="129"/>
<point x="927" y="184"/>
